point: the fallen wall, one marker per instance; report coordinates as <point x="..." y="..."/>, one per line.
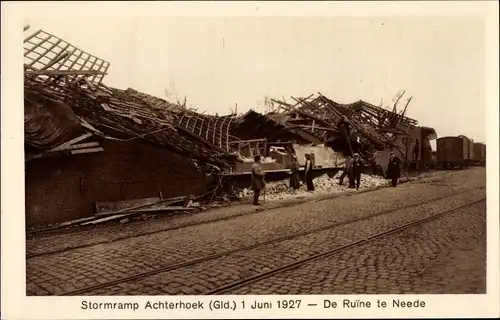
<point x="65" y="188"/>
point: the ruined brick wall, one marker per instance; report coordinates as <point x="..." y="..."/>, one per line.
<point x="65" y="188"/>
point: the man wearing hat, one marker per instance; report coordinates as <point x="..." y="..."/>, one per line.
<point x="346" y="171"/>
<point x="258" y="182"/>
<point x="356" y="166"/>
<point x="393" y="169"/>
<point x="294" y="174"/>
<point x="308" y="173"/>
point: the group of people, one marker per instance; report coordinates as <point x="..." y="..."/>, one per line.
<point x="352" y="170"/>
<point x="258" y="181"/>
<point x="354" y="165"/>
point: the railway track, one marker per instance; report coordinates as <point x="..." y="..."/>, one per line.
<point x="241" y="283"/>
<point x="246" y="248"/>
<point x="46" y="253"/>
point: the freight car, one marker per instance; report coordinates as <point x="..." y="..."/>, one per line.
<point x="451" y="152"/>
<point x="479" y="153"/>
<point x="468" y="145"/>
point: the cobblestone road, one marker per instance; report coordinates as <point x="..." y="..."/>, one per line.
<point x="41" y="243"/>
<point x="447" y="255"/>
<point x="64" y="272"/>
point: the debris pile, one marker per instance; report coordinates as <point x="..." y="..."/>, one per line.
<point x="323" y="184"/>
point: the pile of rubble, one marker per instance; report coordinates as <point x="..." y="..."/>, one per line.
<point x="323" y="184"/>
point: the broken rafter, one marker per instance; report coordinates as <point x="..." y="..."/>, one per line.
<point x="64" y="72"/>
<point x="56" y="59"/>
<point x="44" y="51"/>
<point x="397" y="100"/>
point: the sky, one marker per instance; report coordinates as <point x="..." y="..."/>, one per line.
<point x="217" y="63"/>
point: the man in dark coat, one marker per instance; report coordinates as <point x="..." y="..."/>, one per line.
<point x="356" y="167"/>
<point x="346" y="171"/>
<point x="258" y="182"/>
<point x="394" y="169"/>
<point x="416" y="150"/>
<point x="294" y="174"/>
<point x="308" y="174"/>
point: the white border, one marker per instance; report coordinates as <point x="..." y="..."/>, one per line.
<point x="15" y="305"/>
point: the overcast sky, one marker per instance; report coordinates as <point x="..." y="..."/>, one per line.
<point x="218" y="62"/>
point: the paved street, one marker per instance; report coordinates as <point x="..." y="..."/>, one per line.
<point x="200" y="253"/>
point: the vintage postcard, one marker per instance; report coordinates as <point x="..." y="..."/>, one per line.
<point x="249" y="160"/>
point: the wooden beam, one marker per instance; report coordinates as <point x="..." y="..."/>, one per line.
<point x="56" y="59"/>
<point x="62" y="72"/>
<point x="80" y="146"/>
<point x="89" y="150"/>
<point x="247" y="141"/>
<point x="73" y="141"/>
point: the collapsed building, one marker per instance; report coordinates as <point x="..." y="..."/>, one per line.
<point x="92" y="151"/>
<point x="359" y="127"/>
<point x="87" y="144"/>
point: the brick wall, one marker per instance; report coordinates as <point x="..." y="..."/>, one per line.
<point x="65" y="188"/>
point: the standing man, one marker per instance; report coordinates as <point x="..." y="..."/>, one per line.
<point x="346" y="171"/>
<point x="416" y="149"/>
<point x="258" y="182"/>
<point x="308" y="174"/>
<point x="294" y="177"/>
<point x="357" y="165"/>
<point x="393" y="169"/>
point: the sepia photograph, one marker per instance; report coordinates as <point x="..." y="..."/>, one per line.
<point x="267" y="158"/>
<point x="340" y="156"/>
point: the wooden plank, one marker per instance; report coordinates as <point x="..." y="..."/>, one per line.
<point x="63" y="72"/>
<point x="56" y="59"/>
<point x="215" y="129"/>
<point x="247" y="141"/>
<point x="80" y="146"/>
<point x="107" y="219"/>
<point x="89" y="150"/>
<point x="124" y="204"/>
<point x="221" y="132"/>
<point x="165" y="202"/>
<point x="72" y="222"/>
<point x="227" y="131"/>
<point x="91" y="86"/>
<point x="149" y="210"/>
<point x="72" y="141"/>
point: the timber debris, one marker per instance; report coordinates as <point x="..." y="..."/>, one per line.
<point x="69" y="111"/>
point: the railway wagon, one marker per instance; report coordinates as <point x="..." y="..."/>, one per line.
<point x="468" y="145"/>
<point x="451" y="152"/>
<point x="471" y="150"/>
<point x="479" y="153"/>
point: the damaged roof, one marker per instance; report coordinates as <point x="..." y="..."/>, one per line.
<point x="52" y="58"/>
<point x="64" y="95"/>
